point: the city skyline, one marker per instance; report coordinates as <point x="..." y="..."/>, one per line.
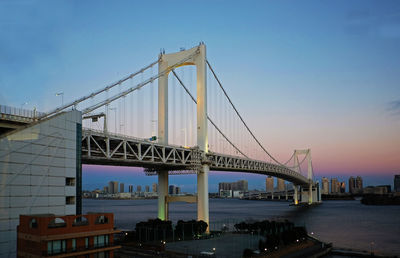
<point x="188" y="183"/>
<point x="332" y="75"/>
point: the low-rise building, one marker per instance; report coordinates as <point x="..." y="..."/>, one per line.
<point x="45" y="235"/>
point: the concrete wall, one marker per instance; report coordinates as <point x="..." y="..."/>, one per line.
<point x="35" y="163"/>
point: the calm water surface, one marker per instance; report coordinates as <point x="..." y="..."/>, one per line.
<point x="344" y="223"/>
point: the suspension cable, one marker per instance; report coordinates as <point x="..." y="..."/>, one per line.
<point x="138" y="86"/>
<point x="236" y="111"/>
<point x="76" y="102"/>
<point x="209" y="119"/>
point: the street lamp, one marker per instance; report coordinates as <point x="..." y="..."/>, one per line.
<point x="62" y="97"/>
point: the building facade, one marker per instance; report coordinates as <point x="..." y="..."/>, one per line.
<point x="46" y="235"/>
<point x="40" y="171"/>
<point x="154" y="188"/>
<point x="269" y="184"/>
<point x="112" y="187"/>
<point x="325" y="185"/>
<point x="396" y="183"/>
<point x="335" y="186"/>
<point x="281" y="185"/>
<point x="359" y="184"/>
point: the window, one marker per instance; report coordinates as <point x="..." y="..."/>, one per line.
<point x="70" y="200"/>
<point x="102" y="255"/>
<point x="70" y="181"/>
<point x="57" y="223"/>
<point x="100" y="240"/>
<point x="56" y="246"/>
<point x="73" y="244"/>
<point x="86" y="242"/>
<point x="33" y="223"/>
<point x="80" y="221"/>
<point x="101" y="220"/>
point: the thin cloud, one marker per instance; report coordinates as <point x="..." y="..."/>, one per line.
<point x="394" y="107"/>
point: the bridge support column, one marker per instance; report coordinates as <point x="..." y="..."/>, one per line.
<point x="202" y="195"/>
<point x="162" y="195"/>
<point x="202" y="137"/>
<point x="296" y="195"/>
<point x="310" y="193"/>
<point x="162" y="138"/>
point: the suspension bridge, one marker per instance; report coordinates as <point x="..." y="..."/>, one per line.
<point x="178" y="127"/>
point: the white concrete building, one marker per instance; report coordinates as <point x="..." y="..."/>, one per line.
<point x="40" y="170"/>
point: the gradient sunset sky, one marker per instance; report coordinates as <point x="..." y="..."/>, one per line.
<point x="323" y="75"/>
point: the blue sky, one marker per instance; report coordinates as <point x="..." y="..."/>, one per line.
<point x="312" y="74"/>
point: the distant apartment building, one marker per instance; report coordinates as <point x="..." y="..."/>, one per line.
<point x="325" y="185"/>
<point x="147" y="188"/>
<point x="105" y="189"/>
<point x="130" y="188"/>
<point x="352" y="185"/>
<point x="138" y="188"/>
<point x="396" y="183"/>
<point x="355" y="185"/>
<point x="112" y="187"/>
<point x="335" y="186"/>
<point x="281" y="185"/>
<point x="121" y="188"/>
<point x="342" y="187"/>
<point x="90" y="235"/>
<point x="241" y="185"/>
<point x="359" y="184"/>
<point x="154" y="187"/>
<point x="174" y="190"/>
<point x="269" y="184"/>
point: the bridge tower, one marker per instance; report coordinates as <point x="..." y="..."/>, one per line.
<point x="194" y="56"/>
<point x="306" y="152"/>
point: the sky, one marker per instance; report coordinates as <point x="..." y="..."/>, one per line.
<point x="323" y="75"/>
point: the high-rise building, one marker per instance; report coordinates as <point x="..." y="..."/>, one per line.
<point x="105" y="189"/>
<point x="352" y="185"/>
<point x="112" y="187"/>
<point x="147" y="188"/>
<point x="269" y="184"/>
<point x="138" y="188"/>
<point x="281" y="185"/>
<point x="121" y="187"/>
<point x="342" y="187"/>
<point x="325" y="185"/>
<point x="154" y="186"/>
<point x="241" y="185"/>
<point x="172" y="190"/>
<point x="130" y="188"/>
<point x="335" y="186"/>
<point x="359" y="184"/>
<point x="396" y="183"/>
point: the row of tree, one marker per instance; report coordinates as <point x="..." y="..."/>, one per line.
<point x="159" y="230"/>
<point x="264" y="227"/>
<point x="276" y="233"/>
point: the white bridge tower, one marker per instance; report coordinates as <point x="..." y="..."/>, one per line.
<point x="194" y="56"/>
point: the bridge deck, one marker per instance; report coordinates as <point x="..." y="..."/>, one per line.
<point x="120" y="150"/>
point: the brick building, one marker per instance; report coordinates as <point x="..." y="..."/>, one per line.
<point x="47" y="235"/>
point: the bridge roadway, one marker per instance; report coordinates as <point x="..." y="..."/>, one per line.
<point x="120" y="150"/>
